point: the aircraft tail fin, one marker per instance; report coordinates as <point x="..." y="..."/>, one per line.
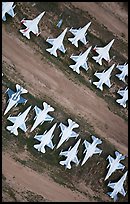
<point x="47" y="107"/>
<point x="74" y="42"/>
<point x="52" y="51"/>
<point x="4" y="18"/>
<point x="65" y="163"/>
<point x="98" y="59"/>
<point x="14" y="131"/>
<point x="121" y="102"/>
<point x="25" y="32"/>
<point x="74" y="67"/>
<point x="37" y="146"/>
<point x="18" y="87"/>
<point x="98" y="85"/>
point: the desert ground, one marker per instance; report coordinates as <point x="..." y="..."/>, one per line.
<point x="28" y="175"/>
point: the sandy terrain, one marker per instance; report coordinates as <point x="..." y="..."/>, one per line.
<point x="110" y="14"/>
<point x="60" y="88"/>
<point x="40" y="184"/>
<point x="43" y="78"/>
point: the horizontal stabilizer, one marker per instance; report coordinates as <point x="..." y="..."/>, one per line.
<point x="14" y="131"/>
<point x="74" y="42"/>
<point x="37" y="146"/>
<point x="25" y="33"/>
<point x="52" y="51"/>
<point x="75" y="68"/>
<point x="4" y="18"/>
<point x="98" y="59"/>
<point x="98" y="85"/>
<point x="121" y="102"/>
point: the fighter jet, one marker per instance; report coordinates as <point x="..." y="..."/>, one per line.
<point x="114" y="164"/>
<point x="124" y="99"/>
<point x="124" y="69"/>
<point x="80" y="34"/>
<point x="45" y="139"/>
<point x="19" y="122"/>
<point x="91" y="149"/>
<point x="41" y="115"/>
<point x="104" y="78"/>
<point x="117" y="187"/>
<point x="32" y="25"/>
<point x="57" y="44"/>
<point x="7" y="7"/>
<point x="103" y="53"/>
<point x="71" y="155"/>
<point x="80" y="60"/>
<point x="67" y="132"/>
<point x="15" y="97"/>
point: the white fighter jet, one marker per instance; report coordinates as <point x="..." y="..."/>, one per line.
<point x="80" y="60"/>
<point x="117" y="187"/>
<point x="124" y="99"/>
<point x="41" y="115"/>
<point x="15" y="97"/>
<point x="45" y="139"/>
<point x="114" y="164"/>
<point x="19" y="122"/>
<point x="91" y="149"/>
<point x="32" y="25"/>
<point x="104" y="78"/>
<point x="103" y="53"/>
<point x="80" y="34"/>
<point x="57" y="44"/>
<point x="67" y="132"/>
<point x="7" y="7"/>
<point x="71" y="155"/>
<point x="124" y="73"/>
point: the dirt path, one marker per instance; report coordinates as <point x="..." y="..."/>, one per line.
<point x="110" y="14"/>
<point x="39" y="184"/>
<point x="42" y="78"/>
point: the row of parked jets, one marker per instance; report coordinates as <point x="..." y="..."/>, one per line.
<point x="67" y="132"/>
<point x="42" y="115"/>
<point x="81" y="59"/>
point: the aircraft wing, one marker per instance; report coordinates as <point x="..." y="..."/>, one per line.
<point x="74" y="31"/>
<point x="51" y="41"/>
<point x="65" y="153"/>
<point x="99" y="50"/>
<point x="83" y="40"/>
<point x="106" y="56"/>
<point x="22" y="100"/>
<point x="108" y="83"/>
<point x="23" y="127"/>
<point x="35" y="29"/>
<point x="85" y="66"/>
<point x="122" y="191"/>
<point x="87" y="144"/>
<point x="63" y="127"/>
<point x="12" y="119"/>
<point x="98" y="75"/>
<point x="38" y="137"/>
<point x="111" y="185"/>
<point x="11" y="12"/>
<point x="48" y="118"/>
<point x="121" y="92"/>
<point x="37" y="110"/>
<point x="50" y="144"/>
<point x="10" y="92"/>
<point x="62" y="48"/>
<point x="27" y="23"/>
<point x="120" y="166"/>
<point x="73" y="134"/>
<point x="75" y="160"/>
<point x="97" y="151"/>
<point x="111" y="160"/>
<point x="75" y="58"/>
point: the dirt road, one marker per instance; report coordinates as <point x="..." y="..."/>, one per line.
<point x="40" y="184"/>
<point x="44" y="79"/>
